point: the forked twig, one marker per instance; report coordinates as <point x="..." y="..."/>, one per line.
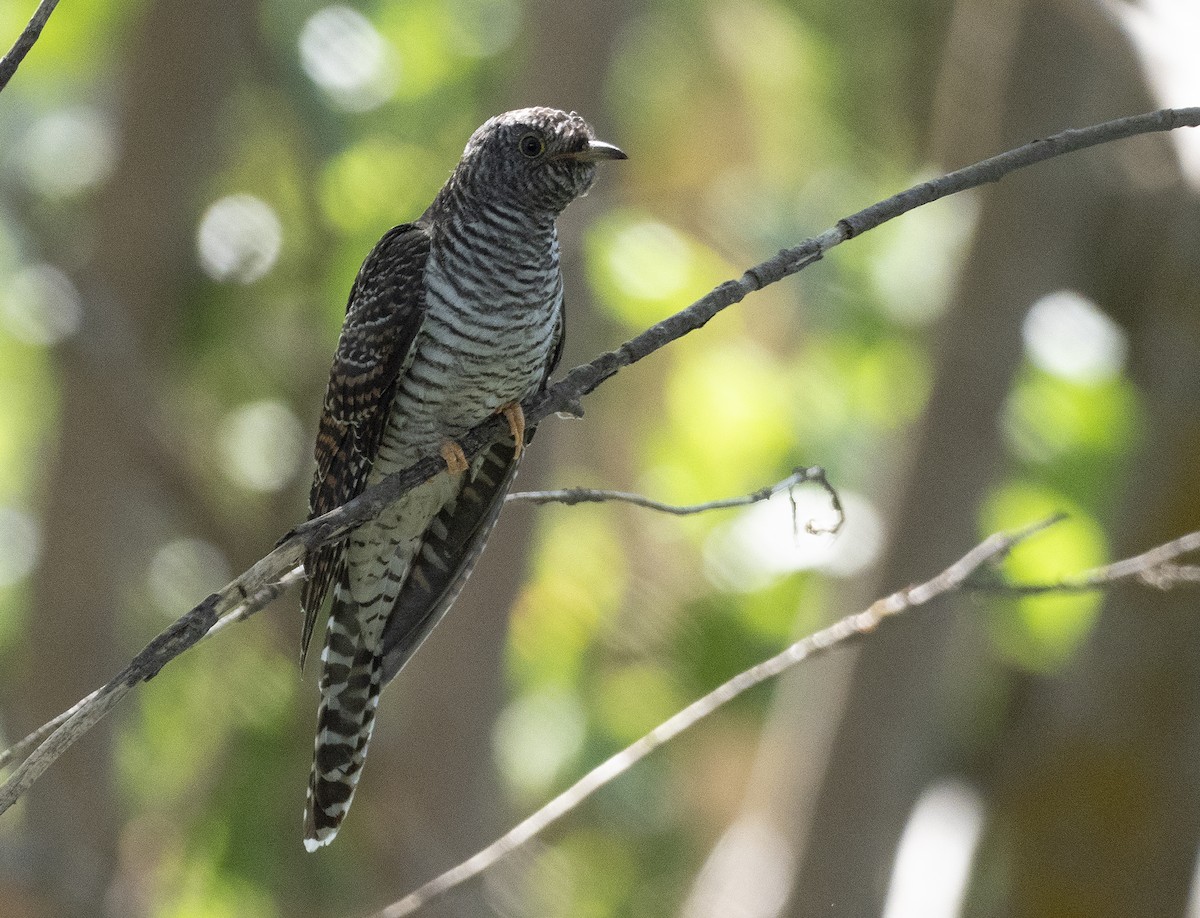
<point x="799" y="476"/>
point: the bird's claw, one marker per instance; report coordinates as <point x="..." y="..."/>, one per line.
<point x="456" y="459"/>
<point x="515" y="416"/>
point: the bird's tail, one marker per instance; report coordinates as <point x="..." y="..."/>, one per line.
<point x="350" y="684"/>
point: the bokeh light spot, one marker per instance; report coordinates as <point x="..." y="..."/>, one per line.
<point x="262" y="444"/>
<point x="650" y="260"/>
<point x="1068" y="336"/>
<point x="1040" y="632"/>
<point x="536" y="736"/>
<point x="933" y="862"/>
<point x="239" y="239"/>
<point x="20" y="545"/>
<point x="184" y="571"/>
<point x="67" y="152"/>
<point x="749" y="873"/>
<point x="344" y="54"/>
<point x="371" y="182"/>
<point x="914" y="265"/>
<point x="40" y="305"/>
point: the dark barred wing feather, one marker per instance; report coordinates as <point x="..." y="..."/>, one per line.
<point x="384" y="314"/>
<point x="451" y="545"/>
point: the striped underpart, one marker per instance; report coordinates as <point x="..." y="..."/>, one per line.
<point x="493" y="318"/>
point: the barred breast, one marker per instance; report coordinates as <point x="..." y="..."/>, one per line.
<point x="493" y="304"/>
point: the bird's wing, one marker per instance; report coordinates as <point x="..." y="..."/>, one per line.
<point x="450" y="546"/>
<point x="383" y="316"/>
<point x="453" y="542"/>
<point x="560" y="339"/>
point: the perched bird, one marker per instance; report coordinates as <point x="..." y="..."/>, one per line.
<point x="451" y="319"/>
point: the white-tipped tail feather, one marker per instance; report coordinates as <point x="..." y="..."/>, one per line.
<point x="350" y="682"/>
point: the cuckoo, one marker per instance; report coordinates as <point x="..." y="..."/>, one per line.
<point x="451" y="319"/>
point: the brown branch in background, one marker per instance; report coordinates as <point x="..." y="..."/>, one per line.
<point x="32" y="32"/>
<point x="262" y="582"/>
<point x="799" y="476"/>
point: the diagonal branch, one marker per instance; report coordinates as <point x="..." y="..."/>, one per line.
<point x="962" y="575"/>
<point x="55" y="737"/>
<point x="262" y="582"/>
<point x="1157" y="568"/>
<point x="566" y="394"/>
<point x="989" y="551"/>
<point x="31" y="33"/>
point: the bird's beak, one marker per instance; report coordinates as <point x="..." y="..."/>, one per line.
<point x="595" y="151"/>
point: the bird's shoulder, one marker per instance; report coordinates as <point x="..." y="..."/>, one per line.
<point x="391" y="275"/>
<point x="384" y="313"/>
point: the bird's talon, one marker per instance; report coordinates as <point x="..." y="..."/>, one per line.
<point x="515" y="416"/>
<point x="456" y="459"/>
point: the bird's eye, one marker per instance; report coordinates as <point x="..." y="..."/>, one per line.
<point x="532" y="145"/>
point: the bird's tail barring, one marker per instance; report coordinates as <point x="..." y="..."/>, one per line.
<point x="350" y="685"/>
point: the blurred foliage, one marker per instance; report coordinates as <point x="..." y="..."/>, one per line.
<point x="750" y="126"/>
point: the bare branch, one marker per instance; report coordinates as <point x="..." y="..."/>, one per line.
<point x="262" y="582"/>
<point x="55" y="737"/>
<point x="799" y="476"/>
<point x="1147" y="568"/>
<point x="1155" y="568"/>
<point x="12" y="60"/>
<point x="991" y="550"/>
<point x="19" y="750"/>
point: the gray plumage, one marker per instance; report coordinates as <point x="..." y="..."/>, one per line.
<point x="450" y="319"/>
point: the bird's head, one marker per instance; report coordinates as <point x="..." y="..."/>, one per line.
<point x="538" y="160"/>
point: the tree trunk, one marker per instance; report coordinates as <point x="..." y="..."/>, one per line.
<point x="177" y="75"/>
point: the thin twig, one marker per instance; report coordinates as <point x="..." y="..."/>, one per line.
<point x="992" y="549"/>
<point x="246" y="592"/>
<point x="32" y="32"/>
<point x="799" y="476"/>
<point x="1154" y="568"/>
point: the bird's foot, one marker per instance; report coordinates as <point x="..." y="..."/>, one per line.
<point x="456" y="459"/>
<point x="516" y="424"/>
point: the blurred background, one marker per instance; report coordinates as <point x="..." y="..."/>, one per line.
<point x="187" y="188"/>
